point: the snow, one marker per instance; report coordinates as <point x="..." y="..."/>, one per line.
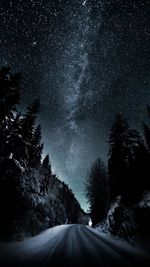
<point x="17" y="163"/>
<point x="30" y="246"/>
<point x="129" y="223"/>
<point x="53" y="196"/>
<point x="121" y="244"/>
<point x="90" y="222"/>
<point x="145" y="201"/>
<point x="75" y="245"/>
<point x="102" y="227"/>
<point x="10" y="156"/>
<point x="43" y="209"/>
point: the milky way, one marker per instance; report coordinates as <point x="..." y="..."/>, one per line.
<point x="86" y="60"/>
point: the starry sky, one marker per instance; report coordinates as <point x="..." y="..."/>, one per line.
<point x="87" y="60"/>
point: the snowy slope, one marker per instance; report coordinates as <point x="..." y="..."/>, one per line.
<point x="129" y="223"/>
<point x="39" y="210"/>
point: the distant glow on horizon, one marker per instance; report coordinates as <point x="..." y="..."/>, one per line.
<point x="90" y="222"/>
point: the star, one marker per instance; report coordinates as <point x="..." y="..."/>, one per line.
<point x="87" y="61"/>
<point x="84" y="2"/>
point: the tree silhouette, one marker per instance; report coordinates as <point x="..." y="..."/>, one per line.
<point x="9" y="94"/>
<point x="146" y="156"/>
<point x="29" y="130"/>
<point x="122" y="142"/>
<point x="9" y="98"/>
<point x="36" y="149"/>
<point x="139" y="173"/>
<point x="25" y="181"/>
<point x="9" y="138"/>
<point x="97" y="191"/>
<point x="47" y="174"/>
<point x="147" y="131"/>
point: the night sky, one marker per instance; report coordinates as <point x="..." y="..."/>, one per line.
<point x="87" y="61"/>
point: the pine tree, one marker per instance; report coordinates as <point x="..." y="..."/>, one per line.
<point x="35" y="151"/>
<point x="139" y="174"/>
<point x="97" y="191"/>
<point x="28" y="129"/>
<point x="10" y="85"/>
<point x="147" y="131"/>
<point x="47" y="174"/>
<point x="147" y="135"/>
<point x="145" y="153"/>
<point x="9" y="94"/>
<point x="9" y="98"/>
<point x="122" y="142"/>
<point x="15" y="143"/>
<point x="46" y="164"/>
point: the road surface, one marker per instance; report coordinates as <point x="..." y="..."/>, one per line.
<point x="71" y="245"/>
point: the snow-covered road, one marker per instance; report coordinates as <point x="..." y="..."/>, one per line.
<point x="71" y="245"/>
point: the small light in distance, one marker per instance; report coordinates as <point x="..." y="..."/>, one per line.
<point x="90" y="222"/>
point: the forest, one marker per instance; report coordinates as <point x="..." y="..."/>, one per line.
<point x="32" y="198"/>
<point x="118" y="191"/>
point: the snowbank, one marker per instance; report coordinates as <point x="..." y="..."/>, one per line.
<point x="129" y="223"/>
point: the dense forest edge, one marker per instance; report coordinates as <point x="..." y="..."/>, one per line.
<point x="119" y="193"/>
<point x="32" y="198"/>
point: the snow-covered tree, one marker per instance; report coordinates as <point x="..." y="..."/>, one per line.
<point x="9" y="98"/>
<point x="32" y="198"/>
<point x="36" y="148"/>
<point x="29" y="129"/>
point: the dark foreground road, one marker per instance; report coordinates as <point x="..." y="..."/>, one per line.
<point x="71" y="245"/>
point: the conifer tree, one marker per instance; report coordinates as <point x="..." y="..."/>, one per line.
<point x="47" y="174"/>
<point x="28" y="128"/>
<point x="10" y="85"/>
<point x="9" y="98"/>
<point x="35" y="151"/>
<point x="97" y="191"/>
<point x="9" y="94"/>
<point x="139" y="173"/>
<point x="122" y="142"/>
<point x="147" y="131"/>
